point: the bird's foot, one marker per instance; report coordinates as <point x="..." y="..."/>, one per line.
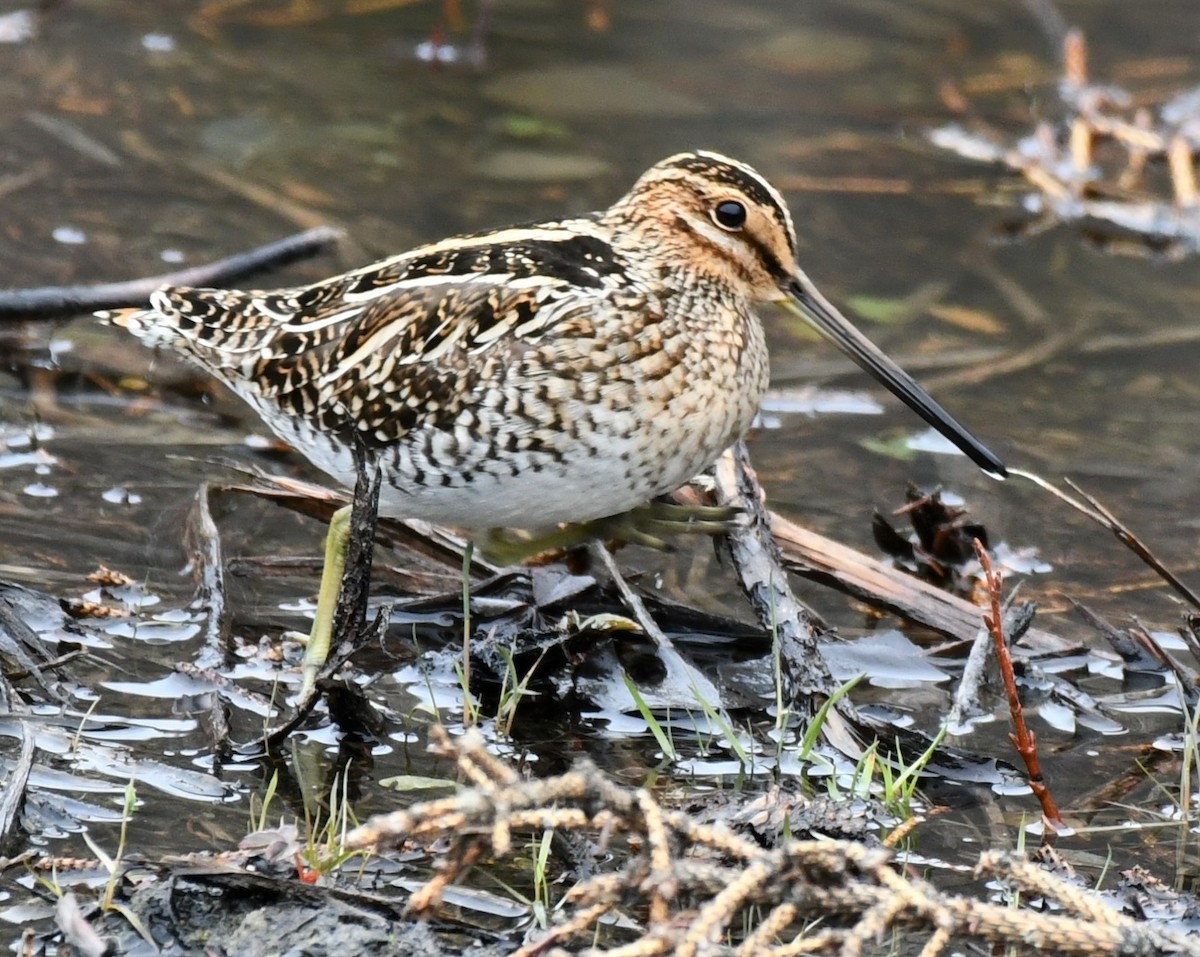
<point x="645" y="525"/>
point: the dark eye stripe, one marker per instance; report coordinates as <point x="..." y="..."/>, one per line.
<point x="751" y="186"/>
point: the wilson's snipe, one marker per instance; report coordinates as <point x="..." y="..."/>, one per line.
<point x="558" y="372"/>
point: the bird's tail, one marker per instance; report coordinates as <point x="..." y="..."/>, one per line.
<point x="148" y="324"/>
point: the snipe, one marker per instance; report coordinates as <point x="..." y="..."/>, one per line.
<point x="557" y="372"/>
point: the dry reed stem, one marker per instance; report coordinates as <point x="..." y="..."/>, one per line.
<point x="698" y="887"/>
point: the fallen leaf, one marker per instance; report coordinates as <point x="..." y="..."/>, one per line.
<point x="973" y="320"/>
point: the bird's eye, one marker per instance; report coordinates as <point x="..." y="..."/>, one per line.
<point x="729" y="215"/>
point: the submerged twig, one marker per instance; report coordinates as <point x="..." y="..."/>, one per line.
<point x="203" y="542"/>
<point x="1033" y="357"/>
<point x="701" y="686"/>
<point x="1022" y="738"/>
<point x="1017" y="619"/>
<point x="1099" y="514"/>
<point x="71" y="300"/>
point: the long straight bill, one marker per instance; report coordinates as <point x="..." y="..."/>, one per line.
<point x="807" y="302"/>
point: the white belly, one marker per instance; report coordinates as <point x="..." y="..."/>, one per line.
<point x="578" y="479"/>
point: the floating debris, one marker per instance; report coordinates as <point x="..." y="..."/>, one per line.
<point x="1096" y="167"/>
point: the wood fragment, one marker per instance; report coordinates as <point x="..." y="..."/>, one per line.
<point x="1081" y="146"/>
<point x="1183" y="171"/>
<point x="764" y="580"/>
<point x="16" y="783"/>
<point x="263" y="196"/>
<point x="1075" y="67"/>
<point x="203" y="542"/>
<point x="875" y="583"/>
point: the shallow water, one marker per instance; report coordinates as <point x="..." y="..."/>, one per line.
<point x="135" y="140"/>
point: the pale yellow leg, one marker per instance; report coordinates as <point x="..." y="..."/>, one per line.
<point x="337" y="539"/>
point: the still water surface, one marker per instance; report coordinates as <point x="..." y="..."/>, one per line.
<point x="136" y="139"/>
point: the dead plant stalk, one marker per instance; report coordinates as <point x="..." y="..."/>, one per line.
<point x="1024" y="740"/>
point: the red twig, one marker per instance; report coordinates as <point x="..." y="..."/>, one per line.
<point x="1024" y="740"/>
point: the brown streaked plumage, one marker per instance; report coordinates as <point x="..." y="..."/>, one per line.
<point x="538" y="374"/>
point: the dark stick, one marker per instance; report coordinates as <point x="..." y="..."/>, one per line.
<point x="350" y="628"/>
<point x="52" y="301"/>
<point x="21" y="646"/>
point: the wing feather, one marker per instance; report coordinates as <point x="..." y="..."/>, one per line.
<point x="400" y="345"/>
